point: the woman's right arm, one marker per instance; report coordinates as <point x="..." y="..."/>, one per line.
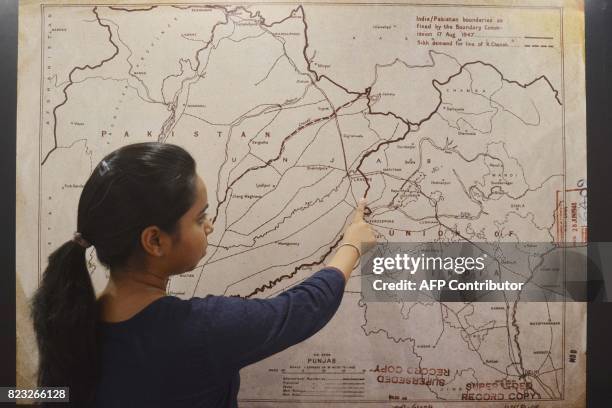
<point x="242" y="331"/>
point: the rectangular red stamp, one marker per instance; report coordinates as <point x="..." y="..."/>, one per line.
<point x="571" y="216"/>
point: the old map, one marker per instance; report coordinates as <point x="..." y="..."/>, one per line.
<point x="454" y="121"/>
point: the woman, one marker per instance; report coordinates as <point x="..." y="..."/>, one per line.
<point x="144" y="210"/>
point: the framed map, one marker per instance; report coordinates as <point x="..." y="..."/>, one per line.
<point x="454" y="120"/>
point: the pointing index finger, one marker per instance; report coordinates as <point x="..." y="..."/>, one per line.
<point x="359" y="210"/>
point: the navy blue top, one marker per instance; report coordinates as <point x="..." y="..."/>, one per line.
<point x="187" y="353"/>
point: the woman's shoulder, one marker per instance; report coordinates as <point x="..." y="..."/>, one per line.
<point x="125" y="313"/>
<point x="117" y="309"/>
<point x="211" y="310"/>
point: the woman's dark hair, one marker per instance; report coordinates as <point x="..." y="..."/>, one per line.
<point x="132" y="188"/>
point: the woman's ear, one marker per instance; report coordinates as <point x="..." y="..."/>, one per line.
<point x="153" y="241"/>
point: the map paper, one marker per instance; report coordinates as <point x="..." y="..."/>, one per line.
<point x="454" y="120"/>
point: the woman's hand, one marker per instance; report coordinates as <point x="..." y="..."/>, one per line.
<point x="358" y="233"/>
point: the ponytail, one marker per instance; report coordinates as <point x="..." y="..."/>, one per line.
<point x="64" y="314"/>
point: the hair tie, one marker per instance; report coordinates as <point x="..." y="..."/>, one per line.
<point x="78" y="238"/>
